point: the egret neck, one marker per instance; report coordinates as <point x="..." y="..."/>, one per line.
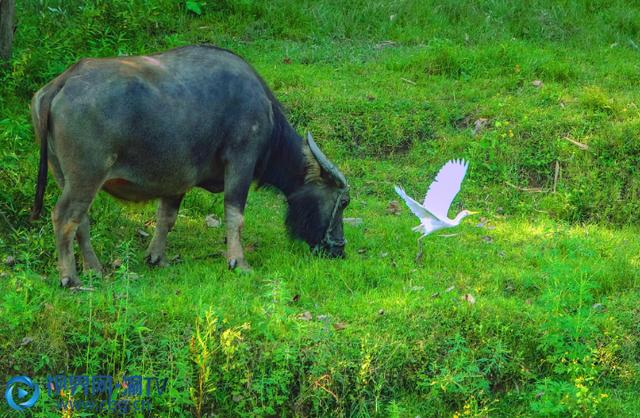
<point x="461" y="216"/>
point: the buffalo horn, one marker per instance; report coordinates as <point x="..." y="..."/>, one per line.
<point x="325" y="163"/>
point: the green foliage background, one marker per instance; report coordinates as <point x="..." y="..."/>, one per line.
<point x="391" y="90"/>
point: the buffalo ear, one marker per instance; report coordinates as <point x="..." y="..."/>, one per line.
<point x="326" y="165"/>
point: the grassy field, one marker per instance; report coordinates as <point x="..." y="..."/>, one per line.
<point x="531" y="309"/>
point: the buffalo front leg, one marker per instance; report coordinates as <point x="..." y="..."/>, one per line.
<point x="236" y="188"/>
<point x="235" y="222"/>
<point x="166" y="219"/>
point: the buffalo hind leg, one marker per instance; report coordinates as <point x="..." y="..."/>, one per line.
<point x="90" y="260"/>
<point x="69" y="213"/>
<point x="236" y="187"/>
<point x="166" y="218"/>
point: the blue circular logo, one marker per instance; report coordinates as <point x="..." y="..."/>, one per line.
<point x="9" y="393"/>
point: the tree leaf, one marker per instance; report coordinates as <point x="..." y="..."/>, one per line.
<point x="194" y="6"/>
<point x="339" y="326"/>
<point x="212" y="221"/>
<point x="469" y="298"/>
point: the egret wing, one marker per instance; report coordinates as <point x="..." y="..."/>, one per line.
<point x="414" y="206"/>
<point x="445" y="188"/>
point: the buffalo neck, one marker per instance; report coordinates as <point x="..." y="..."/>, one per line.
<point x="285" y="166"/>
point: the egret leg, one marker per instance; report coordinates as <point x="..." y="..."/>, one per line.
<point x="419" y="255"/>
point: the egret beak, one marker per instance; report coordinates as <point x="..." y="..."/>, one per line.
<point x="470" y="212"/>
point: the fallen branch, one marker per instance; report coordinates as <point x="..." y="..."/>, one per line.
<point x="321" y="386"/>
<point x="526" y="189"/>
<point x="408" y="81"/>
<point x="82" y="289"/>
<point x="555" y="176"/>
<point x="7" y="219"/>
<point x="576" y="143"/>
<point x="385" y="44"/>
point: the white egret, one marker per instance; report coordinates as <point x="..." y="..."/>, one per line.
<point x="433" y="212"/>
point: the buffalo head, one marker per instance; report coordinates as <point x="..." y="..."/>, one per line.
<point x="315" y="209"/>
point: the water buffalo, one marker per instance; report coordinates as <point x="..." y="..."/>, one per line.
<point x="153" y="127"/>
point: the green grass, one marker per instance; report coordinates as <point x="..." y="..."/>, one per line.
<point x="555" y="275"/>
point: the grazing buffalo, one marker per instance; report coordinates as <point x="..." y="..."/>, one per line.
<point x="153" y="127"/>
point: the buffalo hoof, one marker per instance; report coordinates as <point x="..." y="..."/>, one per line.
<point x="156" y="260"/>
<point x="239" y="265"/>
<point x="70" y="282"/>
<point x="95" y="269"/>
